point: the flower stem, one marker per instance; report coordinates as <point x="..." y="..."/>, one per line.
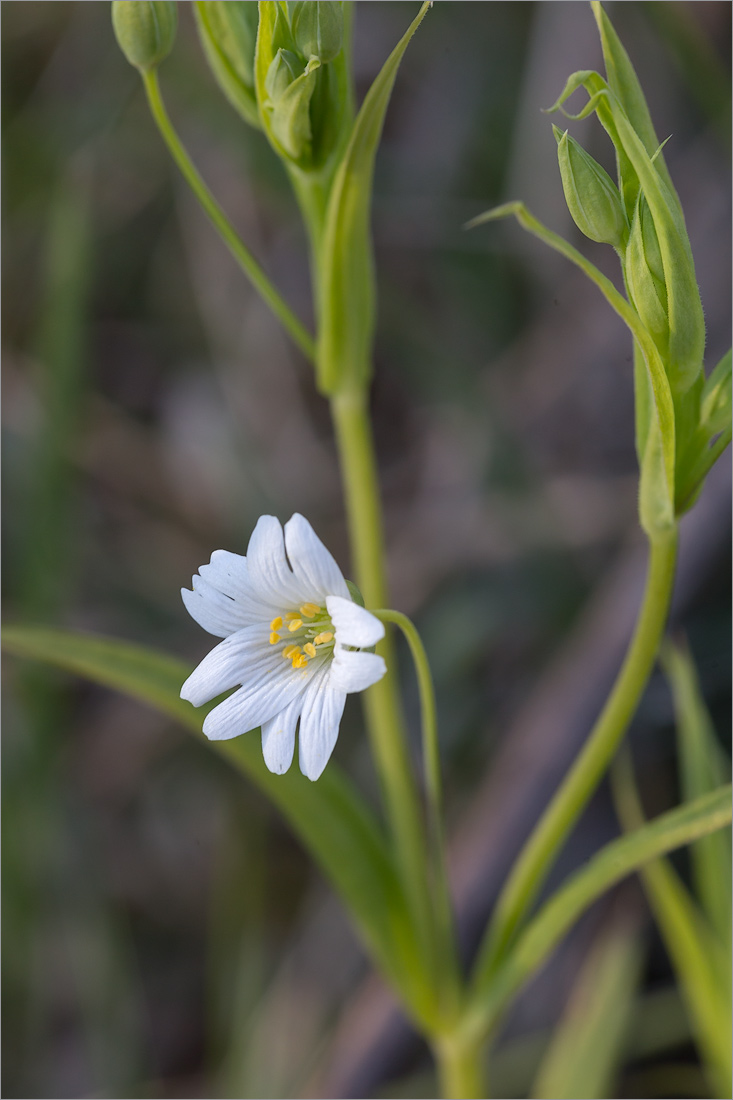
<point x="296" y="330"/>
<point x="433" y="788"/>
<point x="383" y="713"/>
<point x="538" y="854"/>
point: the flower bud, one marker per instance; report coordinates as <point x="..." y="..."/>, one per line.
<point x="593" y="199"/>
<point x="145" y="30"/>
<point x="318" y="28"/>
<point x="289" y="90"/>
<point x="645" y="274"/>
<point x="228" y="32"/>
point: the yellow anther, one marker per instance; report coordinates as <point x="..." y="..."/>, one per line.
<point x="290" y="650"/>
<point x="310" y="649"/>
<point x="309" y="610"/>
<point x="295" y="625"/>
<point x="299" y="660"/>
<point x="290" y="615"/>
<point x="323" y="638"/>
<point x="274" y="638"/>
<point x="276" y="623"/>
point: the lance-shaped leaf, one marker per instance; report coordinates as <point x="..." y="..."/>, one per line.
<point x="624" y="82"/>
<point x="347" y="276"/>
<point x="494" y="989"/>
<point x="583" y="1055"/>
<point x="329" y="817"/>
<point x="703" y="767"/>
<point x="699" y="957"/>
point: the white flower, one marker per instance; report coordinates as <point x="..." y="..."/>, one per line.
<point x="293" y="642"/>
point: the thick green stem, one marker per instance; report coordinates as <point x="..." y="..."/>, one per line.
<point x="538" y="854"/>
<point x="385" y="724"/>
<point x="221" y="223"/>
<point x="460" y="1068"/>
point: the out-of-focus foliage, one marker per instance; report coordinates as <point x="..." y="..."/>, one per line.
<point x="156" y="907"/>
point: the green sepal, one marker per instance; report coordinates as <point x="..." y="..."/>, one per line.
<point x="228" y="31"/>
<point x="318" y="29"/>
<point x="355" y="593"/>
<point x="145" y="30"/>
<point x="591" y="195"/>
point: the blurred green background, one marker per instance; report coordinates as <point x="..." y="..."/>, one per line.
<point x="164" y="934"/>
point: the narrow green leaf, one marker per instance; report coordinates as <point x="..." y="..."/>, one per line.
<point x="329" y="817"/>
<point x="584" y="1053"/>
<point x="702" y="768"/>
<point x="657" y="463"/>
<point x="612" y="863"/>
<point x="698" y="956"/>
<point x="624" y="82"/>
<point x="346" y="262"/>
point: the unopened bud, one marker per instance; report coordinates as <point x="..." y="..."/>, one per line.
<point x="593" y="199"/>
<point x="145" y="30"/>
<point x="290" y="90"/>
<point x="228" y="32"/>
<point x="318" y="28"/>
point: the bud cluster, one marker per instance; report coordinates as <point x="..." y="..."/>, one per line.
<point x="305" y="37"/>
<point x="642" y="219"/>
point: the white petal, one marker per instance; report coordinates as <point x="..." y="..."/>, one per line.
<point x="241" y="658"/>
<point x="268" y="566"/>
<point x="319" y="724"/>
<point x="278" y="737"/>
<point x="256" y="701"/>
<point x="352" y="671"/>
<point x="230" y="574"/>
<point x="215" y="612"/>
<point x="354" y="625"/>
<point x="313" y="565"/>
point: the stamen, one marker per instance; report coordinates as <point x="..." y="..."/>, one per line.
<point x="310" y="649"/>
<point x="290" y="615"/>
<point x="299" y="660"/>
<point x="290" y="650"/>
<point x="276" y="623"/>
<point x="323" y="638"/>
<point x="274" y="638"/>
<point x="309" y="610"/>
<point x="294" y="625"/>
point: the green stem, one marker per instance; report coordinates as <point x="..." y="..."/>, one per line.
<point x="460" y="1068"/>
<point x="433" y="789"/>
<point x="538" y="854"/>
<point x="383" y="713"/>
<point x="297" y="331"/>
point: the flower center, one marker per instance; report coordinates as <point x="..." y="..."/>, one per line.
<point x="308" y="633"/>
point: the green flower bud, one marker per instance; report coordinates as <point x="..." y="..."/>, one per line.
<point x="228" y="32"/>
<point x="145" y="30"/>
<point x="318" y="29"/>
<point x="645" y="274"/>
<point x="289" y="90"/>
<point x="593" y="199"/>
